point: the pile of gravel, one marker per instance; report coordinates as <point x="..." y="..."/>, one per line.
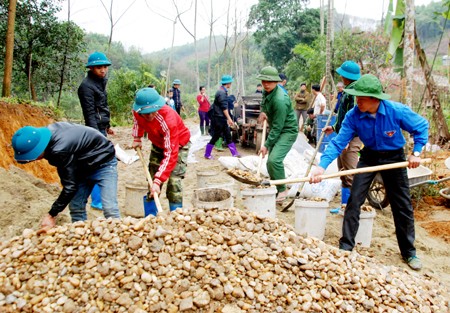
<point x="200" y="261"/>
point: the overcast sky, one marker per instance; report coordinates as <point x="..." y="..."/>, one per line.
<point x="148" y="24"/>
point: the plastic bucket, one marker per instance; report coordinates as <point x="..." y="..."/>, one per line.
<point x="311" y="218"/>
<point x="261" y="201"/>
<point x="133" y="200"/>
<point x="212" y="198"/>
<point x="364" y="234"/>
<point x="205" y="177"/>
<point x="150" y="207"/>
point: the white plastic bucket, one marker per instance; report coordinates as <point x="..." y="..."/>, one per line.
<point x="364" y="234"/>
<point x="134" y="205"/>
<point x="212" y="198"/>
<point x="311" y="218"/>
<point x="205" y="177"/>
<point x="261" y="201"/>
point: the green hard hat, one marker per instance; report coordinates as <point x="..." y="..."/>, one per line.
<point x="269" y="73"/>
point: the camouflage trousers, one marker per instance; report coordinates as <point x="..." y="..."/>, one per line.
<point x="174" y="192"/>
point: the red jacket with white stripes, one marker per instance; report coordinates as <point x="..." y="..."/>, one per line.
<point x="166" y="131"/>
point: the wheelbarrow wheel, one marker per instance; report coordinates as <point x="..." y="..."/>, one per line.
<point x="377" y="194"/>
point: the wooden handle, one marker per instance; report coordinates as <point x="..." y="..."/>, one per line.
<point x="149" y="180"/>
<point x="348" y="172"/>
<point x="263" y="141"/>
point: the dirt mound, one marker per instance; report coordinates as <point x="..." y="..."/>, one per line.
<point x="13" y="117"/>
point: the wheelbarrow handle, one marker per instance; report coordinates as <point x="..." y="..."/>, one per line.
<point x="149" y="179"/>
<point x="343" y="173"/>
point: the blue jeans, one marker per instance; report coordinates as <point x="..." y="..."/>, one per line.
<point x="106" y="178"/>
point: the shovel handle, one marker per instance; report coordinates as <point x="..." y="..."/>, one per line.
<point x="347" y="172"/>
<point x="149" y="179"/>
<point x="263" y="141"/>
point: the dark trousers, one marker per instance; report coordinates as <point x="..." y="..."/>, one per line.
<point x="220" y="128"/>
<point x="397" y="190"/>
<point x="204" y="119"/>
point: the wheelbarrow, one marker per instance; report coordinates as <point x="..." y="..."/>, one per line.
<point x="417" y="177"/>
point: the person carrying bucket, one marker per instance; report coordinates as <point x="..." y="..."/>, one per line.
<point x="379" y="123"/>
<point x="170" y="144"/>
<point x="277" y="109"/>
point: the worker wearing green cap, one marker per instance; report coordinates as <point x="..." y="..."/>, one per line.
<point x="277" y="109"/>
<point x="379" y="124"/>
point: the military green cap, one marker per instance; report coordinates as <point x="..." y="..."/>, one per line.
<point x="368" y="86"/>
<point x="269" y="73"/>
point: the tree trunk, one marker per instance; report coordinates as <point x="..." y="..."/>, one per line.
<point x="322" y="18"/>
<point x="408" y="52"/>
<point x="170" y="55"/>
<point x="195" y="46"/>
<point x="63" y="67"/>
<point x="443" y="135"/>
<point x="330" y="81"/>
<point x="211" y="23"/>
<point x="7" y="73"/>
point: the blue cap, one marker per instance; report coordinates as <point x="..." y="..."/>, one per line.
<point x="226" y="79"/>
<point x="147" y="101"/>
<point x="30" y="142"/>
<point x="349" y="70"/>
<point x="176" y="82"/>
<point x="97" y="59"/>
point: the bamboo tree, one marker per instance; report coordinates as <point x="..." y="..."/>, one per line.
<point x="7" y="73"/>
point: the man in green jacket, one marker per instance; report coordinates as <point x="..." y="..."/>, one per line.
<point x="277" y="109"/>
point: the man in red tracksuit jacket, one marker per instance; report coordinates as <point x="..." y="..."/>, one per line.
<point x="170" y="143"/>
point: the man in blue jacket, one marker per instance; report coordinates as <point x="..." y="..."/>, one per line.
<point x="82" y="156"/>
<point x="379" y="124"/>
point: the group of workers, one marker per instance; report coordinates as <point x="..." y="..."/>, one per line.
<point x="84" y="157"/>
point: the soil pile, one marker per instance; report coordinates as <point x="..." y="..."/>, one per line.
<point x="13" y="117"/>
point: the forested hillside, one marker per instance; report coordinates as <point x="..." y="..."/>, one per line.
<point x="49" y="55"/>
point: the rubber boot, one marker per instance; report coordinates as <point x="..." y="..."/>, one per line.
<point x="207" y="130"/>
<point x="233" y="150"/>
<point x="150" y="207"/>
<point x="96" y="198"/>
<point x="208" y="150"/>
<point x="202" y="130"/>
<point x="345" y="194"/>
<point x="174" y="206"/>
<point x="218" y="144"/>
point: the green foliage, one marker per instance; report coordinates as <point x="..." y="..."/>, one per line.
<point x="40" y="44"/>
<point x="430" y="20"/>
<point x="122" y="87"/>
<point x="279" y="30"/>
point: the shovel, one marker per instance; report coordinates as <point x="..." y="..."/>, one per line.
<point x="263" y="140"/>
<point x="338" y="174"/>
<point x="149" y="180"/>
